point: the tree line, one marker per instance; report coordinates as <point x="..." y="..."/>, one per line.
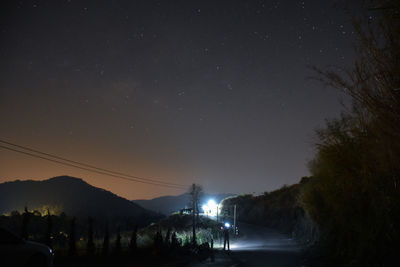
<point x="79" y="240"/>
<point x="354" y="193"/>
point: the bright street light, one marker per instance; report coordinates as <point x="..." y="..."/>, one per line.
<point x="210" y="208"/>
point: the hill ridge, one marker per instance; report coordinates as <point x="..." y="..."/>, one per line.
<point x="71" y="195"/>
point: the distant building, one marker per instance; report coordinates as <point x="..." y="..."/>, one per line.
<point x="186" y="211"/>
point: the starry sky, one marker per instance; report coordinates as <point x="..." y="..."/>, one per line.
<point x="212" y="92"/>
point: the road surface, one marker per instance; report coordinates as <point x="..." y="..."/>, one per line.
<point x="259" y="246"/>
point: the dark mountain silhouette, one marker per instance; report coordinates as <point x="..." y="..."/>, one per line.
<point x="71" y="195"/>
<point x="169" y="204"/>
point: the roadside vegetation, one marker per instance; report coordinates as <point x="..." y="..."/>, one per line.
<point x="355" y="194"/>
<point x="279" y="209"/>
<point x="79" y="242"/>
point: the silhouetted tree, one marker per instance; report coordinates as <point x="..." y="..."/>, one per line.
<point x="106" y="241"/>
<point x="212" y="256"/>
<point x="72" y="238"/>
<point x="63" y="216"/>
<point x="118" y="241"/>
<point x="174" y="241"/>
<point x="354" y="196"/>
<point x="187" y="241"/>
<point x="90" y="243"/>
<point x="133" y="242"/>
<point x="158" y="240"/>
<point x="25" y="221"/>
<point x="49" y="228"/>
<point x="167" y="237"/>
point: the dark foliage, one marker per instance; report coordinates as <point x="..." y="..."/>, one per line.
<point x="72" y="238"/>
<point x="167" y="237"/>
<point x="133" y="241"/>
<point x="74" y="249"/>
<point x="174" y="241"/>
<point x="90" y="243"/>
<point x="355" y="194"/>
<point x="49" y="232"/>
<point x="25" y="221"/>
<point x="106" y="241"/>
<point x="158" y="240"/>
<point x="118" y="241"/>
<point x="278" y="209"/>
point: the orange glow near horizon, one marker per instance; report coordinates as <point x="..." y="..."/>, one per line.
<point x="20" y="167"/>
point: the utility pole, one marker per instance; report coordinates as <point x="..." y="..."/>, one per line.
<point x="234" y="219"/>
<point x="217" y="211"/>
<point x="193" y="213"/>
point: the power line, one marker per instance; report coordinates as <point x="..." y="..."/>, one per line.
<point x="164" y="184"/>
<point x="89" y="166"/>
<point x="87" y="169"/>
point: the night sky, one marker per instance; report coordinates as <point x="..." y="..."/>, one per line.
<point x="212" y="92"/>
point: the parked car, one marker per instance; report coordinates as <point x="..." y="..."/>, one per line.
<point x="15" y="251"/>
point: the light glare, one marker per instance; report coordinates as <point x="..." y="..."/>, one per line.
<point x="210" y="208"/>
